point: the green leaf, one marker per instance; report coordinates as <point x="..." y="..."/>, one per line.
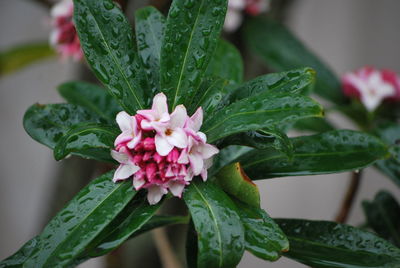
<point x="226" y="63"/>
<point x="88" y="140"/>
<point x="390" y="133"/>
<point x="329" y="152"/>
<point x="135" y="215"/>
<point x="210" y="96"/>
<point x="282" y="51"/>
<point x="329" y="244"/>
<point x="383" y="216"/>
<point x="191" y="36"/>
<point x="262" y="111"/>
<point x="263" y="236"/>
<point x="235" y="182"/>
<point x="22" y="255"/>
<point x="83" y="218"/>
<point x="47" y="124"/>
<point x="150" y="25"/>
<point x="298" y="81"/>
<point x="108" y="44"/>
<point x="92" y="97"/>
<point x="261" y="139"/>
<point x="226" y="156"/>
<point x="220" y="231"/>
<point x="313" y="124"/>
<point x="20" y="56"/>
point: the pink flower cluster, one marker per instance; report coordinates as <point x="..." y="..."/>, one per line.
<point x="162" y="151"/>
<point x="234" y="14"/>
<point x="372" y="86"/>
<point x="64" y="37"/>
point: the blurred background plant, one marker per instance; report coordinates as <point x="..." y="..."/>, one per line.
<point x="266" y="45"/>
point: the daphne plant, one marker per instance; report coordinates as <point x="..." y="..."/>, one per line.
<point x="177" y="120"/>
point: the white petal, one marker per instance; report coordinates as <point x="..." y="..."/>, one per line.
<point x="120" y="157"/>
<point x="62" y="8"/>
<point x="178" y="117"/>
<point x="196" y="163"/>
<point x="125" y="171"/>
<point x="163" y="147"/>
<point x="176" y="188"/>
<point x="197" y="119"/>
<point x="183" y="158"/>
<point x="155" y="193"/>
<point x="237" y="4"/>
<point x="138" y="183"/>
<point x="134" y="141"/>
<point x="208" y="150"/>
<point x="160" y="104"/>
<point x="178" y="138"/>
<point x="233" y="20"/>
<point x="124" y="121"/>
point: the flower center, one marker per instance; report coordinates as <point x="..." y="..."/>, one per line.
<point x="168" y="132"/>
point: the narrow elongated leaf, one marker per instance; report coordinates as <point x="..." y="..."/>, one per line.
<point x="47" y="124"/>
<point x="313" y="124"/>
<point x="226" y="63"/>
<point x="150" y="24"/>
<point x="263" y="236"/>
<point x="210" y="96"/>
<point x="92" y="97"/>
<point x="89" y="140"/>
<point x="106" y="39"/>
<point x="84" y="217"/>
<point x="390" y="133"/>
<point x="21" y="56"/>
<point x="298" y="81"/>
<point x="383" y="216"/>
<point x="329" y="244"/>
<point x="191" y="36"/>
<point x="220" y="231"/>
<point x="263" y="111"/>
<point x="22" y="255"/>
<point x="130" y="220"/>
<point x="235" y="182"/>
<point x="329" y="152"/>
<point x="282" y="51"/>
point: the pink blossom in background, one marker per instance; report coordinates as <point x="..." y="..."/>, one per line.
<point x="234" y="15"/>
<point x="372" y="86"/>
<point x="64" y="37"/>
<point x="162" y="152"/>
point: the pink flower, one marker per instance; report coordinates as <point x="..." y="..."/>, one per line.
<point x="161" y="151"/>
<point x="64" y="37"/>
<point x="371" y="86"/>
<point x="234" y="15"/>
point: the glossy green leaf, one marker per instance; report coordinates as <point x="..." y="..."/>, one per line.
<point x="150" y="25"/>
<point x="390" y="133"/>
<point x="263" y="236"/>
<point x="329" y="244"/>
<point x="220" y="231"/>
<point x="261" y="139"/>
<point x="329" y="152"/>
<point x="383" y="216"/>
<point x="262" y="111"/>
<point x="210" y="96"/>
<point x="22" y="255"/>
<point x="298" y="81"/>
<point x="108" y="44"/>
<point x="235" y="182"/>
<point x="226" y="63"/>
<point x="226" y="156"/>
<point x="135" y="215"/>
<point x="48" y="123"/>
<point x="282" y="51"/>
<point x="92" y="97"/>
<point x="191" y="36"/>
<point x="313" y="124"/>
<point x="83" y="218"/>
<point x="89" y="140"/>
<point x="20" y="56"/>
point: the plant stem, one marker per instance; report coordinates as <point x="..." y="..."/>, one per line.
<point x="348" y="200"/>
<point x="167" y="255"/>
